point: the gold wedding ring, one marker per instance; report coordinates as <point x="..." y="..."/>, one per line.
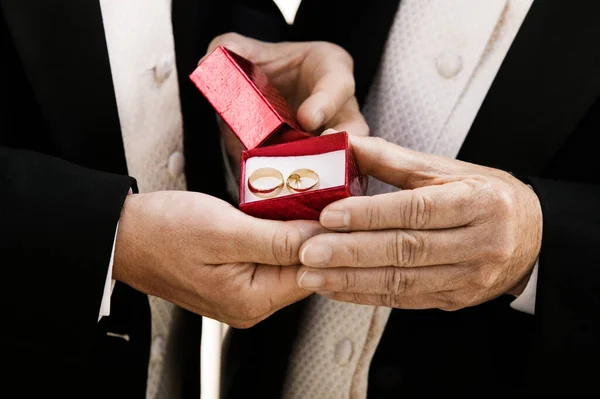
<point x="302" y="180"/>
<point x="271" y="184"/>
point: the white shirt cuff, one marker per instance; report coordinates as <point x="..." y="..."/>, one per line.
<point x="526" y="301"/>
<point x="109" y="285"/>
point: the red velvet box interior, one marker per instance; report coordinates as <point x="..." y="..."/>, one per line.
<point x="255" y="111"/>
<point x="307" y="205"/>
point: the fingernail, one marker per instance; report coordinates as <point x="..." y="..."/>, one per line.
<point x="335" y="219"/>
<point x="310" y="281"/>
<point x="319" y="119"/>
<point x="314" y="255"/>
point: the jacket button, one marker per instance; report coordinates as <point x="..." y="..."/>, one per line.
<point x="163" y="69"/>
<point x="176" y="164"/>
<point x="448" y="65"/>
<point x="343" y="351"/>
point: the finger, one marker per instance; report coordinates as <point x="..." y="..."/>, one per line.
<point x="402" y="167"/>
<point x="350" y="119"/>
<point x="432" y="301"/>
<point x="333" y="88"/>
<point x="402" y="248"/>
<point x="271" y="242"/>
<point x="431" y="207"/>
<point x="382" y="280"/>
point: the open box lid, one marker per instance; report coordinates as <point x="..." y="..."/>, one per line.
<point x="245" y="99"/>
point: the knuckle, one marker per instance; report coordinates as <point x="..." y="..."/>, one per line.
<point x="418" y="212"/>
<point x="285" y="245"/>
<point x="482" y="195"/>
<point x="487" y="278"/>
<point x="372" y="214"/>
<point x="473" y="197"/>
<point x="403" y="248"/>
<point x="395" y="282"/>
<point x="503" y="202"/>
<point x="502" y="250"/>
<point x="389" y="301"/>
<point x="348" y="281"/>
<point x="355" y="255"/>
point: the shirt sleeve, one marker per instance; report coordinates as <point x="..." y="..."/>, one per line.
<point x="526" y="301"/>
<point x="109" y="285"/>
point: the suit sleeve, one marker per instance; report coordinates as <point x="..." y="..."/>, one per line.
<point x="567" y="307"/>
<point x="58" y="224"/>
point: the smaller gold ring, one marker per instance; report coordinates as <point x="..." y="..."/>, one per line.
<point x="294" y="180"/>
<point x="269" y="191"/>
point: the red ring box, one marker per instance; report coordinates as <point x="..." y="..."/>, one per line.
<point x="243" y="97"/>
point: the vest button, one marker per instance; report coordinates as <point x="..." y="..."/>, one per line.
<point x="163" y="69"/>
<point x="448" y="65"/>
<point x="157" y="349"/>
<point x="176" y="164"/>
<point x="343" y="351"/>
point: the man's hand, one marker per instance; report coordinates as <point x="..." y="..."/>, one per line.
<point x="204" y="255"/>
<point x="457" y="235"/>
<point x="316" y="79"/>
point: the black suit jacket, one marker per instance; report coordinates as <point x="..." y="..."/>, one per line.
<point x="540" y="121"/>
<point x="63" y="180"/>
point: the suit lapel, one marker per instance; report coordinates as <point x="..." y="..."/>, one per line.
<point x="548" y="81"/>
<point x="63" y="49"/>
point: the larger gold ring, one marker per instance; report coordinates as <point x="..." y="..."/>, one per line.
<point x="273" y="179"/>
<point x="302" y="180"/>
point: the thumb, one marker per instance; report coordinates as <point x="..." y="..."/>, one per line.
<point x="331" y="88"/>
<point x="271" y="242"/>
<point x="400" y="166"/>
